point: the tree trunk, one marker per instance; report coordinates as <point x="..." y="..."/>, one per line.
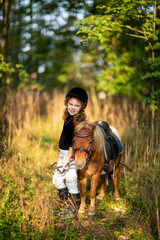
<point x="6" y="6"/>
<point x="153" y="84"/>
<point x="5" y="25"/>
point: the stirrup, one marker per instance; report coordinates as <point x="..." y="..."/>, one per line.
<point x="113" y="175"/>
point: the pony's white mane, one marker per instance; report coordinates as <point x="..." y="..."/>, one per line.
<point x="98" y="135"/>
<point x="82" y="125"/>
<point x="99" y="140"/>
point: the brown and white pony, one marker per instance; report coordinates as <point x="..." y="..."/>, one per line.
<point x="88" y="150"/>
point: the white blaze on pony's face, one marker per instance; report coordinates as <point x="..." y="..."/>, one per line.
<point x="74" y="105"/>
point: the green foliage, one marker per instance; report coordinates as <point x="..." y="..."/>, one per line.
<point x="125" y="72"/>
<point x="9" y="69"/>
<point x="49" y="49"/>
<point x="5" y="67"/>
<point x="47" y="40"/>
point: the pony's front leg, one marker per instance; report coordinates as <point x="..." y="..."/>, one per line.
<point x="94" y="184"/>
<point x="83" y="190"/>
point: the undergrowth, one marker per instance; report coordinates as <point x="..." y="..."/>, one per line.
<point x="28" y="197"/>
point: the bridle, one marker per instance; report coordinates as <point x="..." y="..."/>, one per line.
<point x="83" y="149"/>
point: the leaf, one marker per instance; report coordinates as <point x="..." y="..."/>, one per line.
<point x="19" y="66"/>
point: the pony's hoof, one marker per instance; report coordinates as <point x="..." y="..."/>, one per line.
<point x="80" y="213"/>
<point x="99" y="198"/>
<point x="117" y="198"/>
<point x="91" y="213"/>
<point x="90" y="217"/>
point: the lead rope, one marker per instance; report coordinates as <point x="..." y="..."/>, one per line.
<point x="68" y="165"/>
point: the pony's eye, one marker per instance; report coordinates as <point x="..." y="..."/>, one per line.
<point x="73" y="141"/>
<point x="90" y="142"/>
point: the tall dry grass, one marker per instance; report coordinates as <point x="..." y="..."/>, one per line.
<point x="27" y="195"/>
<point x="23" y="107"/>
<point x="34" y="123"/>
<point x="143" y="157"/>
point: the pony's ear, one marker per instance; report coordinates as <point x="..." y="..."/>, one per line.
<point x="94" y="124"/>
<point x="75" y="123"/>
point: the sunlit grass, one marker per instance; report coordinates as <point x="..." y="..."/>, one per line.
<point x="26" y="181"/>
<point x="39" y="144"/>
<point x="28" y="197"/>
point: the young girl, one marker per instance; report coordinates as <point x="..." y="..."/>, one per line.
<point x="65" y="180"/>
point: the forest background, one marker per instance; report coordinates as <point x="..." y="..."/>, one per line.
<point x="112" y="49"/>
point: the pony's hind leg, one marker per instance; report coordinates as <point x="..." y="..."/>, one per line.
<point x="101" y="194"/>
<point x="115" y="182"/>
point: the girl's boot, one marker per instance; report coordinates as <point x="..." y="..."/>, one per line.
<point x="63" y="194"/>
<point x="74" y="200"/>
<point x="69" y="201"/>
<point x="73" y="205"/>
<point x="61" y="211"/>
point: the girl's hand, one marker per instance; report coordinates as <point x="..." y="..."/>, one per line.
<point x="65" y="166"/>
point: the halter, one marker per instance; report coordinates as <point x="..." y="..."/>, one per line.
<point x="84" y="149"/>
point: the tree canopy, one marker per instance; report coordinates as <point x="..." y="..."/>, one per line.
<point x="116" y="49"/>
<point x="129" y="33"/>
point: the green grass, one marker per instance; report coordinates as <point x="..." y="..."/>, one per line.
<point x="28" y="197"/>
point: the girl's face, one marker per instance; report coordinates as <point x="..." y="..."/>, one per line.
<point x="74" y="105"/>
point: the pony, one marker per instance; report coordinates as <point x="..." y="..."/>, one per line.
<point x="90" y="159"/>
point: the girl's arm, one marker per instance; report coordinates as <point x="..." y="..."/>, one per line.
<point x="58" y="157"/>
<point x="66" y="162"/>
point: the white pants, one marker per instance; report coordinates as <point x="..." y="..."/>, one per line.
<point x="67" y="178"/>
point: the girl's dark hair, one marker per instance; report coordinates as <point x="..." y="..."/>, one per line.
<point x="81" y="116"/>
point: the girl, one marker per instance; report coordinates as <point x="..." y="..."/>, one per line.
<point x="65" y="180"/>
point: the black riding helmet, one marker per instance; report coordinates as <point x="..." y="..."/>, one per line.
<point x="78" y="93"/>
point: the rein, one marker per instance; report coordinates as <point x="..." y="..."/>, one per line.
<point x="78" y="149"/>
<point x="84" y="149"/>
<point x="68" y="164"/>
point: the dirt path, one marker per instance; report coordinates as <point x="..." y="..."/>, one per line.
<point x="113" y="220"/>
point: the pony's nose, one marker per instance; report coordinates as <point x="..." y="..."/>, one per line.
<point x="80" y="162"/>
<point x="80" y="165"/>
